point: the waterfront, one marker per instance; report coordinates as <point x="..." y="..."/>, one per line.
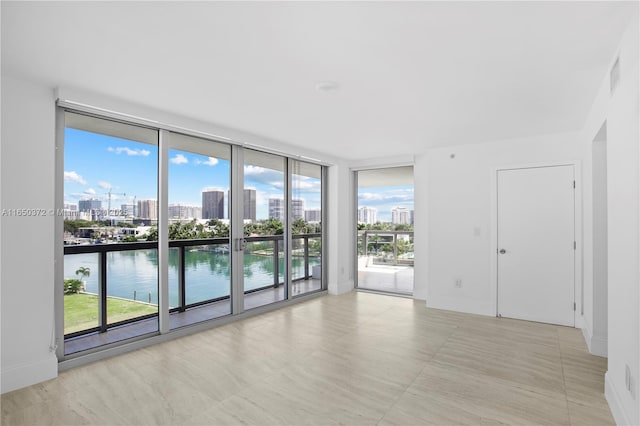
<point x="207" y="273"/>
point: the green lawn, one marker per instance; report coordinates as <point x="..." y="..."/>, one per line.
<point x="81" y="311"/>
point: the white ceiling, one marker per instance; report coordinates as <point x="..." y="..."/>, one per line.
<point x="411" y="75"/>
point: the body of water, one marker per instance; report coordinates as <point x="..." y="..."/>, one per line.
<point x="207" y="273"/>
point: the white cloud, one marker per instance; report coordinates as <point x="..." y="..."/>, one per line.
<point x="104" y="185"/>
<point x="212" y="161"/>
<point x="384" y="199"/>
<point x="74" y="177"/>
<point x="179" y="159"/>
<point x="129" y="151"/>
<point x="90" y="191"/>
<point x="304" y="185"/>
<point x="254" y="170"/>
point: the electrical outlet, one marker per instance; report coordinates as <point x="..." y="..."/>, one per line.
<point x="629" y="381"/>
<point x="458" y="283"/>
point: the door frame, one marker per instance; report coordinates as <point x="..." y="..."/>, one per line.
<point x="353" y="172"/>
<point x="578" y="282"/>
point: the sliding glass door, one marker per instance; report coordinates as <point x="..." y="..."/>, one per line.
<point x="199" y="182"/>
<point x="164" y="230"/>
<point x="264" y="210"/>
<point x="306" y="227"/>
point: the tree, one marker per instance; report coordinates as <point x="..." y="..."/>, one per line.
<point x="72" y="226"/>
<point x="299" y="226"/>
<point x="72" y="286"/>
<point x="272" y="226"/>
<point x="83" y="272"/>
<point x="218" y="229"/>
<point x="152" y="235"/>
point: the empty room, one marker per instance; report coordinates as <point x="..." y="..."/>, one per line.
<point x="367" y="212"/>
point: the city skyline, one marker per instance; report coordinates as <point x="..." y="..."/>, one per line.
<point x="120" y="172"/>
<point x="386" y="198"/>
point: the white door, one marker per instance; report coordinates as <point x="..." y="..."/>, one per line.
<point x="536" y="244"/>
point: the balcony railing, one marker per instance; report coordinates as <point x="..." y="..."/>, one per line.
<point x="386" y="247"/>
<point x="268" y="250"/>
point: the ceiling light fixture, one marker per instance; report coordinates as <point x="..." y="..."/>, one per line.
<point x="327" y="86"/>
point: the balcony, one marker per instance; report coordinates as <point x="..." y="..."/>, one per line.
<point x="119" y="298"/>
<point x="385" y="261"/>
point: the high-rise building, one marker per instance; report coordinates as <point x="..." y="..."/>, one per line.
<point x="92" y="208"/>
<point x="313" y="215"/>
<point x="89" y="205"/>
<point x="367" y="215"/>
<point x="411" y="216"/>
<point x="184" y="211"/>
<point x="70" y="211"/>
<point x="177" y="211"/>
<point x="276" y="208"/>
<point x="148" y="209"/>
<point x="250" y="204"/>
<point x="128" y="210"/>
<point x="297" y="208"/>
<point x="400" y="216"/>
<point x="213" y="204"/>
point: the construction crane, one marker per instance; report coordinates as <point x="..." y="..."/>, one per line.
<point x="110" y="213"/>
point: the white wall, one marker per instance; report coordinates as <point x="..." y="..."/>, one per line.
<point x="459" y="214"/>
<point x="622" y="335"/>
<point x="341" y="229"/>
<point x="595" y="309"/>
<point x="595" y="304"/>
<point x="623" y="209"/>
<point x="27" y="168"/>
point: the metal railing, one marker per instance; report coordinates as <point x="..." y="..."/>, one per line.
<point x="386" y="247"/>
<point x="181" y="245"/>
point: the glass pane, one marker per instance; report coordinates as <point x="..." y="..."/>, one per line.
<point x="306" y="227"/>
<point x="132" y="277"/>
<point x="110" y="193"/>
<point x="199" y="262"/>
<point x="81" y="309"/>
<point x="264" y="213"/>
<point x="385" y="229"/>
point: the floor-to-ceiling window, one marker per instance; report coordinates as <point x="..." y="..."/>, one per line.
<point x="306" y="227"/>
<point x="385" y="217"/>
<point x="156" y="221"/>
<point x="264" y="209"/>
<point x="110" y="218"/>
<point x="199" y="182"/>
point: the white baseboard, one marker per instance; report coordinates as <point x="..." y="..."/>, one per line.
<point x="24" y="375"/>
<point x="468" y="306"/>
<point x="341" y="288"/>
<point x="615" y="404"/>
<point x="597" y="345"/>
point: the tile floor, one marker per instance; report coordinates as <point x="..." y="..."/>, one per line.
<point x="359" y="358"/>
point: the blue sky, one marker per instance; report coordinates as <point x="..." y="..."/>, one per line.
<point x="95" y="164"/>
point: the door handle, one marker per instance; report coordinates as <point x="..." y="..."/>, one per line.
<point x="240" y="244"/>
<point x="502" y="251"/>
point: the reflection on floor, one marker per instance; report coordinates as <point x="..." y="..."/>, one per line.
<point x="190" y="316"/>
<point x="388" y="278"/>
<point x="354" y="359"/>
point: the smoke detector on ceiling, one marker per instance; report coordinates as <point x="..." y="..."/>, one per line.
<point x="327" y="86"/>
